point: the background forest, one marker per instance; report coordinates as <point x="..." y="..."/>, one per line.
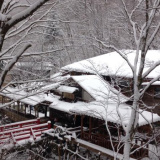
<point x="70" y="30"/>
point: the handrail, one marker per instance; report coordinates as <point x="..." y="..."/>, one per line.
<point x="19" y="124"/>
<point x="104" y="142"/>
<point x="27" y="128"/>
<point x="25" y="133"/>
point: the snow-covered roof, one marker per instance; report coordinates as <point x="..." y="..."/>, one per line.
<point x="50" y="86"/>
<point x="113" y="64"/>
<point x="62" y="105"/>
<point x="155" y="83"/>
<point x="99" y="89"/>
<point x="67" y="89"/>
<point x="111" y="112"/>
<point x="25" y="97"/>
<point x="102" y="110"/>
<point x="59" y="77"/>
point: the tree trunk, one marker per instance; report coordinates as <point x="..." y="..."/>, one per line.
<point x="132" y="125"/>
<point x="1" y="39"/>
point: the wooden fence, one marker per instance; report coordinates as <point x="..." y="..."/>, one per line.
<point x="105" y="142"/>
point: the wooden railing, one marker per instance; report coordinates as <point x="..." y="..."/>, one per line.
<point x="21" y="124"/>
<point x="23" y="133"/>
<point x="105" y="142"/>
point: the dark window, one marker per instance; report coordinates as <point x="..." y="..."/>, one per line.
<point x="124" y="84"/>
<point x="107" y="78"/>
<point x="157" y="92"/>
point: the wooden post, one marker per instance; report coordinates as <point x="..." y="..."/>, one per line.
<point x="22" y="106"/>
<point x="46" y="111"/>
<point x="136" y="141"/>
<point x="2" y="99"/>
<point x="49" y="124"/>
<point x="19" y="108"/>
<point x="35" y="110"/>
<point x="14" y="106"/>
<point x="65" y="151"/>
<point x="77" y="150"/>
<point x="38" y="120"/>
<point x="25" y="109"/>
<point x="18" y="105"/>
<point x="59" y="152"/>
<point x="64" y="155"/>
<point x="82" y="117"/>
<point x="49" y="112"/>
<point x="87" y="154"/>
<point x="99" y="156"/>
<point x="90" y="127"/>
<point x="30" y="109"/>
<point x="119" y="134"/>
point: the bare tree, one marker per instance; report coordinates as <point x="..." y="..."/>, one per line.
<point x="145" y="25"/>
<point x="12" y="25"/>
<point x="75" y="23"/>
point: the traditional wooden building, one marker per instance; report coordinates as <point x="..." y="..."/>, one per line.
<point x="115" y="70"/>
<point x="102" y="112"/>
<point x="23" y="105"/>
<point x="91" y="100"/>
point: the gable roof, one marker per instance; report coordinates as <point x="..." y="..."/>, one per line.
<point x="64" y="106"/>
<point x="99" y="89"/>
<point x="113" y="64"/>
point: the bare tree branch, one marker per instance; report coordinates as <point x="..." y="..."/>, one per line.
<point x="24" y="14"/>
<point x="12" y="62"/>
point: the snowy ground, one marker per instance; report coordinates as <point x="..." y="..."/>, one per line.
<point x="18" y="156"/>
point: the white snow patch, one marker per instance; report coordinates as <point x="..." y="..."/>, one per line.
<point x="25" y="97"/>
<point x="67" y="89"/>
<point x="155" y="83"/>
<point x="99" y="89"/>
<point x="109" y="113"/>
